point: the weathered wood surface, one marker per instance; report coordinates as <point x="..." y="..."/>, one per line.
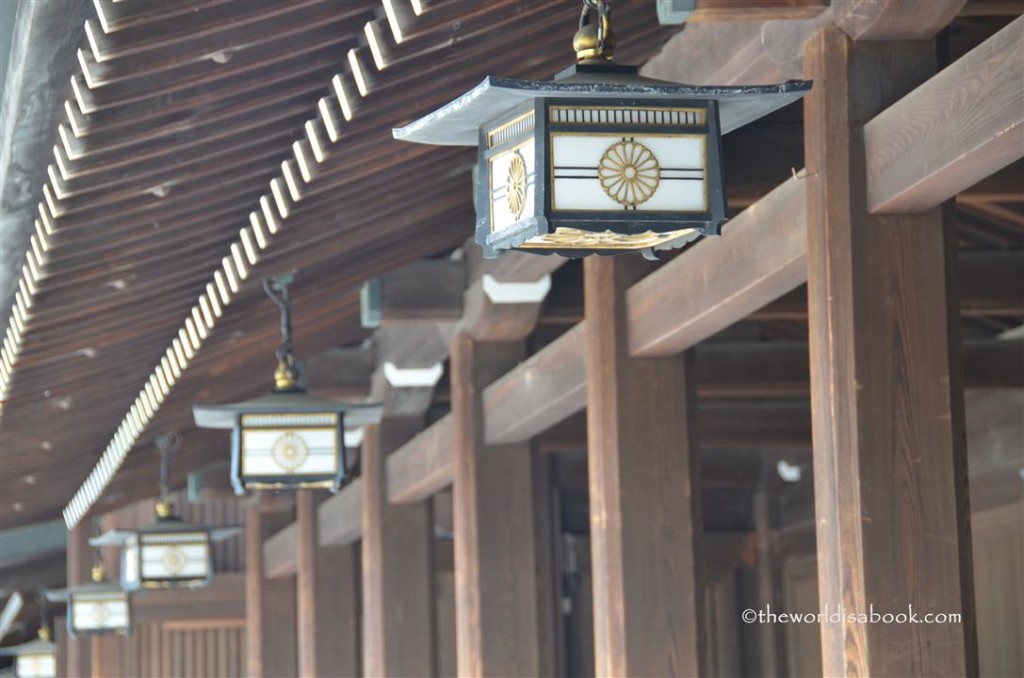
<point x="498" y="608"/>
<point x="756" y="10"/>
<point x="327" y="595"/>
<point x="894" y="19"/>
<point x="539" y="393"/>
<point x="427" y="290"/>
<point x="645" y="512"/>
<point x="270" y="615"/>
<point x="961" y="126"/>
<point x="79" y="569"/>
<point x="397" y="565"/>
<point x="889" y="456"/>
<point x="423" y="466"/>
<point x="722" y="280"/>
<point x="340" y="524"/>
<point x="216" y="174"/>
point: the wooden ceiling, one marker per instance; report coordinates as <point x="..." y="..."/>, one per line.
<point x="178" y="119"/>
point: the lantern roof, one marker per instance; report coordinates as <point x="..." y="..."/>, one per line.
<point x="37" y="646"/>
<point x="458" y="122"/>
<point x="172" y="524"/>
<point x="63" y="595"/>
<point x="285" y="402"/>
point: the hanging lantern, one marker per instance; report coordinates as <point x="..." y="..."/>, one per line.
<point x="36" y="658"/>
<point x="96" y="608"/>
<point x="601" y="160"/>
<point x="287" y="439"/>
<point x="169" y="553"/>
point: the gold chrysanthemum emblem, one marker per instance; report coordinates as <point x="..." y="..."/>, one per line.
<point x="515" y="185"/>
<point x="289" y="451"/>
<point x="629" y="173"/>
<point x="173" y="560"/>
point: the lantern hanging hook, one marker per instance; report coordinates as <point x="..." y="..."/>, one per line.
<point x="286" y="378"/>
<point x="44" y="628"/>
<point x="595" y="41"/>
<point x="166" y="444"/>
<point x="98" y="567"/>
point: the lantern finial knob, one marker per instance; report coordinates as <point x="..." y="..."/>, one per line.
<point x="44" y="633"/>
<point x="286" y="376"/>
<point x="594" y="41"/>
<point x="98" y="571"/>
<point x="164" y="509"/>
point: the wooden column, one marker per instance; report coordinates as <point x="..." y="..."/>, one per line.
<point x="890" y="469"/>
<point x="645" y="520"/>
<point x="269" y="603"/>
<point x="503" y="558"/>
<point x="79" y="564"/>
<point x="327" y="602"/>
<point x="398" y="588"/>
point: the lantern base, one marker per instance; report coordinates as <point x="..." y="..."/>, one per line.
<point x="537" y="235"/>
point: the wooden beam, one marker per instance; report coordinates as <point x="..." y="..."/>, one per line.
<point x="421" y="466"/>
<point x="307" y="544"/>
<point x="535" y="389"/>
<point x="340" y="372"/>
<point x="894" y="19"/>
<point x="542" y="391"/>
<point x="779" y="369"/>
<point x="340" y="524"/>
<point x="961" y="126"/>
<point x="270" y="616"/>
<point x="890" y="466"/>
<point x="425" y="290"/>
<point x="397" y="561"/>
<point x="497" y="574"/>
<point x="328" y="597"/>
<point x="79" y="564"/>
<point x="515" y="267"/>
<point x="645" y="515"/>
<point x="759" y="258"/>
<point x="489" y="321"/>
<point x="756" y="10"/>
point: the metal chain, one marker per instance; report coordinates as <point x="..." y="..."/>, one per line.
<point x="277" y="290"/>
<point x="166" y="445"/>
<point x="604" y="11"/>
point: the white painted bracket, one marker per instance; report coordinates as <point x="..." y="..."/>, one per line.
<point x="516" y="293"/>
<point x="412" y="377"/>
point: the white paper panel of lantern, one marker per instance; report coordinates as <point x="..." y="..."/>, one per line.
<point x="36" y="665"/>
<point x="290" y="445"/>
<point x="98" y="612"/>
<point x="174" y="556"/>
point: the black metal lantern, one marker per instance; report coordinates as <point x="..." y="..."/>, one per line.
<point x="97" y="608"/>
<point x="36" y="658"/>
<point x="168" y="553"/>
<point x="601" y="160"/>
<point x="287" y="439"/>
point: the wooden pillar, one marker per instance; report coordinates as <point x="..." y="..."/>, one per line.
<point x="504" y="600"/>
<point x="890" y="469"/>
<point x="79" y="564"/>
<point x="645" y="519"/>
<point x="327" y="602"/>
<point x="269" y="603"/>
<point x="397" y="553"/>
